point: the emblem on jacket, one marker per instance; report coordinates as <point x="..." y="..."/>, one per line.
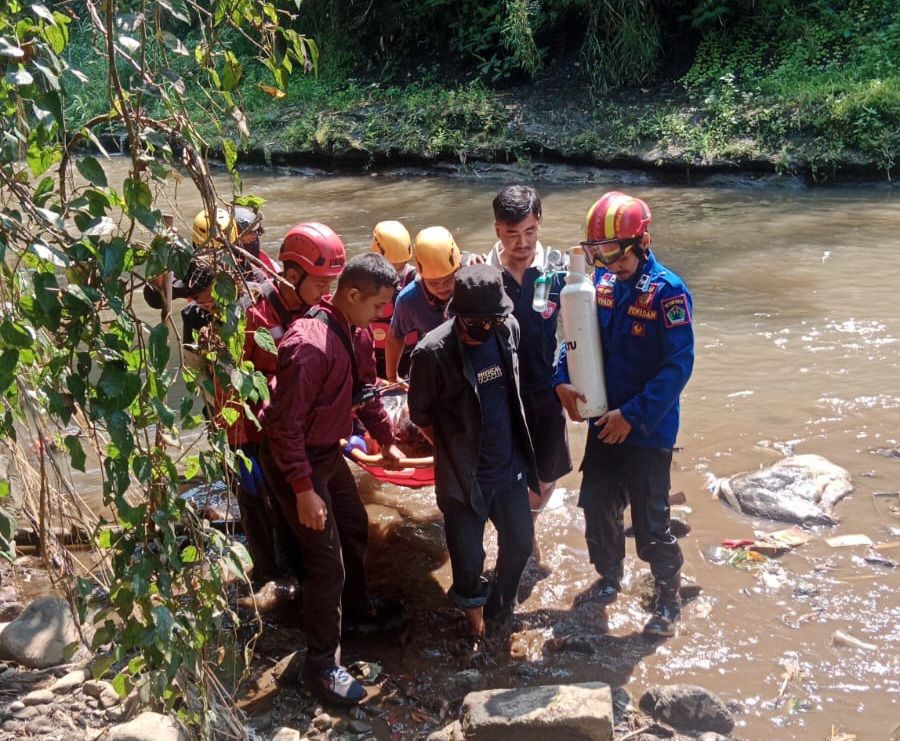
<point x="676" y="311"/>
<point x="548" y="310"/>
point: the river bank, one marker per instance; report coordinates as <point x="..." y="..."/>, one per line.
<point x="662" y="132"/>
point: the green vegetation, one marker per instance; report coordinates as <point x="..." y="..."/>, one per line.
<point x="796" y="86"/>
<point x="84" y="381"/>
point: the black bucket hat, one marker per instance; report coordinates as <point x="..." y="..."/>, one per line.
<point x="478" y="291"/>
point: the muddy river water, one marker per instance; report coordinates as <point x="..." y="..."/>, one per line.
<point x="797" y="326"/>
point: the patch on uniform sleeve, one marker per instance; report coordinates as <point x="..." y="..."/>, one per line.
<point x="548" y="310"/>
<point x="676" y="312"/>
<point x="605" y="296"/>
<point x="638" y="329"/>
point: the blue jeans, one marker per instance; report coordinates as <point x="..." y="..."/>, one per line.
<point x="510" y="511"/>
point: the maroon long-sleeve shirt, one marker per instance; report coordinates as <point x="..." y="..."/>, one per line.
<point x="311" y="394"/>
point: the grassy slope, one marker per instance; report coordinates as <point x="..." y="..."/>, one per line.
<point x="822" y="117"/>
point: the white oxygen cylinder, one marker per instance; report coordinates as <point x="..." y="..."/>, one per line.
<point x="581" y="331"/>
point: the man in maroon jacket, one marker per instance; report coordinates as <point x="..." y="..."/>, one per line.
<point x="324" y="362"/>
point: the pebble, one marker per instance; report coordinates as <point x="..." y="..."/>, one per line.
<point x="24" y="713"/>
<point x="10" y="725"/>
<point x="39" y="697"/>
<point x="322" y="722"/>
<point x="92" y="703"/>
<point x="109" y="698"/>
<point x="94" y="687"/>
<point x="39" y="725"/>
<point x="360" y="727"/>
<point x="15" y="705"/>
<point x="70" y="681"/>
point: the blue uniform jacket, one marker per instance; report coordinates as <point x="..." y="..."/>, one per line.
<point x="648" y="349"/>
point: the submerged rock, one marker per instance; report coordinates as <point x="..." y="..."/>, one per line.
<point x="802" y="489"/>
<point x="687" y="707"/>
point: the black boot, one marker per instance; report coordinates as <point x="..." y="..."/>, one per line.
<point x="666" y="608"/>
<point x="605" y="590"/>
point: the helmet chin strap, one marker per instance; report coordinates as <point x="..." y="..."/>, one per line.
<point x="434" y="300"/>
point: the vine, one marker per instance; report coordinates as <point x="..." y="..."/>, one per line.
<point x="84" y="381"/>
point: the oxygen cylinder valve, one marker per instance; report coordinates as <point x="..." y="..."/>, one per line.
<point x="541" y="292"/>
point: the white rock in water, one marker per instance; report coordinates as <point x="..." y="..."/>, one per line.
<point x="801" y="489"/>
<point x="148" y="727"/>
<point x="38" y="637"/>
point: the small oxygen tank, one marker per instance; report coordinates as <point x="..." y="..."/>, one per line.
<point x="581" y="330"/>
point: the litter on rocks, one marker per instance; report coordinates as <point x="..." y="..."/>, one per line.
<point x="847" y="541"/>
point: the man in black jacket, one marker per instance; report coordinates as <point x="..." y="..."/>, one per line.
<point x="464" y="394"/>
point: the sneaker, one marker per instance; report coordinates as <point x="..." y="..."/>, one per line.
<point x="380" y="615"/>
<point x="337" y="686"/>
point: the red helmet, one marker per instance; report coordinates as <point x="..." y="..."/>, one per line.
<point x="616" y="216"/>
<point x="315" y="248"/>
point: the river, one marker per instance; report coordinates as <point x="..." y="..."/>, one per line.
<point x="797" y="350"/>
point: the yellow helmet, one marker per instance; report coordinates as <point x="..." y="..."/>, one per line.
<point x="201" y="227"/>
<point x="391" y="239"/>
<point x="437" y="255"/>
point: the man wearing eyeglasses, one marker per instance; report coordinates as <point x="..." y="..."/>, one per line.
<point x="519" y="255"/>
<point x="645" y="315"/>
<point x="464" y="395"/>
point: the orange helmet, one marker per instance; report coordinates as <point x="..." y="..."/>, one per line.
<point x="315" y="248"/>
<point x="616" y="216"/>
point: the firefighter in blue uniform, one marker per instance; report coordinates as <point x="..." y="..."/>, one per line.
<point x="645" y="315"/>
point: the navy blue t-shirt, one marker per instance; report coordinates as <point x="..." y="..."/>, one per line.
<point x="495" y="465"/>
<point x="537" y="345"/>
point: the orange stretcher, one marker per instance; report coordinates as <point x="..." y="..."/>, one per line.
<point x="412" y="472"/>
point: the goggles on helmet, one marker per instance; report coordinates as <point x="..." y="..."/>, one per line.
<point x="488" y="322"/>
<point x="607" y="251"/>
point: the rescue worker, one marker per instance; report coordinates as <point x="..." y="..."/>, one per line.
<point x="464" y="395"/>
<point x="196" y="315"/>
<point x="517" y="222"/>
<point x="324" y="361"/>
<point x="392" y="240"/>
<point x="421" y="306"/>
<point x="645" y="316"/>
<point x="312" y="257"/>
<point x="249" y="224"/>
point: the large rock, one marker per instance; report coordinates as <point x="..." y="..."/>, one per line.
<point x="688" y="708"/>
<point x="802" y="489"/>
<point x="148" y="727"/>
<point x="574" y="711"/>
<point x="38" y="637"/>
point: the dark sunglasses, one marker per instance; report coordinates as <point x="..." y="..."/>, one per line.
<point x="482" y="321"/>
<point x="607" y="251"/>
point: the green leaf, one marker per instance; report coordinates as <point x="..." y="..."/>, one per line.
<point x="263" y="338"/>
<point x="9" y="359"/>
<point x="76" y="452"/>
<point x="230" y="153"/>
<point x="105" y="539"/>
<point x="15" y="335"/>
<point x="159" y="347"/>
<point x="137" y="195"/>
<point x="190" y="554"/>
<point x="101" y="665"/>
<point x="164" y="623"/>
<point x="92" y="171"/>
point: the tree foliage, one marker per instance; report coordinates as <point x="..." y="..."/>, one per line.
<point x="83" y="379"/>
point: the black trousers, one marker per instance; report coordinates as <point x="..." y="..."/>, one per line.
<point x="615" y="476"/>
<point x="510" y="511"/>
<point x="334" y="559"/>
